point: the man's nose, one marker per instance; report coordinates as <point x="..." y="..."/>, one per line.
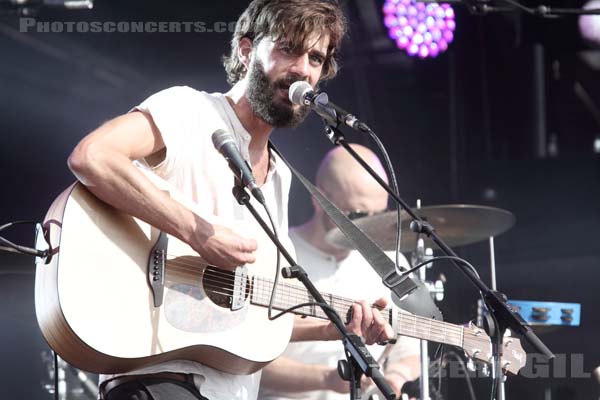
<point x="301" y="66"/>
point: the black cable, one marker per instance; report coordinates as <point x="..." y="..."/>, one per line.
<point x="20" y="222"/>
<point x="467" y="377"/>
<point x="277" y="265"/>
<point x="458" y="259"/>
<point x="19" y="248"/>
<point x="22" y="249"/>
<point x="394" y="187"/>
<point x="544" y="11"/>
<point x="497" y="365"/>
<point x="440" y="358"/>
<point x="520" y="6"/>
<point x="309" y="304"/>
<point x="55" y="375"/>
<point x="276" y="280"/>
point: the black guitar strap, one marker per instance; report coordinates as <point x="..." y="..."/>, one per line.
<point x="420" y="301"/>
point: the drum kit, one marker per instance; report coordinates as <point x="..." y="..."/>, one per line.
<point x="457" y="225"/>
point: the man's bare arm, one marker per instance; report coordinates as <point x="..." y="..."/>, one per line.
<point x="288" y="375"/>
<point x="103" y="162"/>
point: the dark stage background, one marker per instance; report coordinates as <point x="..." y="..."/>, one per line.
<point x="493" y="121"/>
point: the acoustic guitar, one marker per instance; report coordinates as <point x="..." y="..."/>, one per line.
<point x="119" y="295"/>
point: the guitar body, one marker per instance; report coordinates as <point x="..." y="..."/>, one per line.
<point x="96" y="310"/>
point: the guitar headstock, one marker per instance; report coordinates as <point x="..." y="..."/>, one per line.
<point x="477" y="345"/>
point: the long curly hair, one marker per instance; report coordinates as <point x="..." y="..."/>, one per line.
<point x="292" y="22"/>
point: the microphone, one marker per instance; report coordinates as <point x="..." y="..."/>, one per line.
<point x="225" y="145"/>
<point x="302" y="93"/>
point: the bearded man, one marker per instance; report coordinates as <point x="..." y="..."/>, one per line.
<point x="276" y="42"/>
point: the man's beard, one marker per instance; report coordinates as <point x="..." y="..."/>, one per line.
<point x="265" y="102"/>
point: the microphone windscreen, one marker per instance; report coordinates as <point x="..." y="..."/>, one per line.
<point x="220" y="137"/>
<point x="298" y="90"/>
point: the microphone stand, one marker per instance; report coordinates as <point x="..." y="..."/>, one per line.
<point x="483" y="7"/>
<point x="495" y="301"/>
<point x="360" y="361"/>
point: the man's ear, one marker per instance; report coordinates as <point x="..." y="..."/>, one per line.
<point x="245" y="51"/>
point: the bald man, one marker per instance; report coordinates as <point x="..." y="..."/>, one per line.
<point x="308" y="370"/>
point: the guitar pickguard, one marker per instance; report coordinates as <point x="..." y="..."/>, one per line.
<point x="188" y="308"/>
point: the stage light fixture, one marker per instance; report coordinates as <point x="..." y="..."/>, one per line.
<point x="589" y="25"/>
<point x="421" y="29"/>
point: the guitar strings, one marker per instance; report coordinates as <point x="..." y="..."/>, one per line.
<point x="448" y="333"/>
<point x="444" y="335"/>
<point x="436" y="329"/>
<point x="302" y="295"/>
<point x="227" y="278"/>
<point x="224" y="277"/>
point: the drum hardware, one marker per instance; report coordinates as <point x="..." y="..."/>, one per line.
<point x="543" y="316"/>
<point x="436" y="288"/>
<point x="458" y="225"/>
<point x="543" y="313"/>
<point x="73" y="384"/>
<point x="411" y="389"/>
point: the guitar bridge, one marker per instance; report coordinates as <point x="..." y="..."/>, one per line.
<point x="156" y="268"/>
<point x="239" y="288"/>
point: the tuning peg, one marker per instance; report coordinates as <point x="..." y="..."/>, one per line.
<point x="485" y="370"/>
<point x="471" y="365"/>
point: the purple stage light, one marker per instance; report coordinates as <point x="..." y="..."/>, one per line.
<point x="589" y="25"/>
<point x="420" y="29"/>
<point x="402" y="42"/>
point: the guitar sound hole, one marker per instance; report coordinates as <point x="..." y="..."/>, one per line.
<point x="219" y="284"/>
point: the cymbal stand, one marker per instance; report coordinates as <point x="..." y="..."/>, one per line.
<point x="496" y="363"/>
<point x="418" y="257"/>
<point x="424" y="383"/>
<point x="481" y="313"/>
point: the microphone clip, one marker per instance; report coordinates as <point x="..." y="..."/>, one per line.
<point x="321" y="105"/>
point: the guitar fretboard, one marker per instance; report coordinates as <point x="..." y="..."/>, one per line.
<point x="288" y="295"/>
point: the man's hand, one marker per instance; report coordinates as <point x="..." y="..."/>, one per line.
<point x="224" y="248"/>
<point x="368" y="322"/>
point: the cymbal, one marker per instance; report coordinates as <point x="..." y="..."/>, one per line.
<point x="457" y="225"/>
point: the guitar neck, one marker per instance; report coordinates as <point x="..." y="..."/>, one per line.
<point x="408" y="324"/>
